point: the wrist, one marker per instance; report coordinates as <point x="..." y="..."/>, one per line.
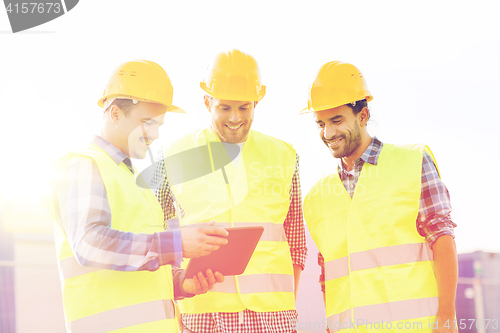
<point x="182" y="293"/>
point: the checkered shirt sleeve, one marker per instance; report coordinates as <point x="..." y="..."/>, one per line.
<point x="433" y="220"/>
<point x="164" y="191"/>
<point x="294" y="222"/>
<point x="82" y="207"/>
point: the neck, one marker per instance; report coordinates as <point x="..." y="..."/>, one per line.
<point x="348" y="161"/>
<point x="106" y="135"/>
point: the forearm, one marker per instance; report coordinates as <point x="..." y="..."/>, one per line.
<point x="85" y="216"/>
<point x="107" y="248"/>
<point x="178" y="281"/>
<point x="321" y="263"/>
<point x="297" y="271"/>
<point x="446" y="271"/>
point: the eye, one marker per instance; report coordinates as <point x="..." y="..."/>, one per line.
<point x="321" y="125"/>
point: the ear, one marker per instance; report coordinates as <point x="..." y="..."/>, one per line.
<point x="363" y="116"/>
<point x="207" y="102"/>
<point x="115" y="113"/>
<point x="255" y="103"/>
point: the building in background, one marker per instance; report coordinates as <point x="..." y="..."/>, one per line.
<point x="35" y="304"/>
<point x="478" y="292"/>
<point x="7" y="304"/>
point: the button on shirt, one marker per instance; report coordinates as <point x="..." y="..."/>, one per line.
<point x="85" y="215"/>
<point x="433" y="220"/>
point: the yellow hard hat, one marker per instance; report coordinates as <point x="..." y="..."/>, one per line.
<point x="337" y="83"/>
<point x="140" y="80"/>
<point x="234" y="75"/>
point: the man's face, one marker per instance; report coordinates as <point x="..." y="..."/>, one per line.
<point x="339" y="129"/>
<point x="231" y="120"/>
<point x="139" y="128"/>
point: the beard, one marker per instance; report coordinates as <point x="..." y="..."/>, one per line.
<point x="352" y="141"/>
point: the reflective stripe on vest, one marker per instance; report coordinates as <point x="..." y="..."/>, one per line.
<point x="382" y="256"/>
<point x="70" y="268"/>
<point x="124" y="317"/>
<point x="385" y="312"/>
<point x="97" y="299"/>
<point x="377" y="266"/>
<point x="273" y="232"/>
<point x="256" y="283"/>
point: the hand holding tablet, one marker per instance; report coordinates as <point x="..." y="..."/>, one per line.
<point x="201" y="282"/>
<point x="229" y="259"/>
<point x="201" y="239"/>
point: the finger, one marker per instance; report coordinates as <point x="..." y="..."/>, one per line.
<point x="209" y="223"/>
<point x="216" y="240"/>
<point x="197" y="285"/>
<point x="219" y="277"/>
<point x="210" y="278"/>
<point x="207" y="249"/>
<point x="216" y="231"/>
<point x="203" y="282"/>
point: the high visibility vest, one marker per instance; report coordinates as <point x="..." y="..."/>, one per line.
<point x="101" y="300"/>
<point x="256" y="192"/>
<point x="379" y="272"/>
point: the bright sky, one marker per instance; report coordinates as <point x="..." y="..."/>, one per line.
<point x="431" y="66"/>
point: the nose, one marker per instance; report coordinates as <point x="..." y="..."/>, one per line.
<point x="153" y="133"/>
<point x="234" y="117"/>
<point x="329" y="132"/>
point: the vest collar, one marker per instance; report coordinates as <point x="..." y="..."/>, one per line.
<point x="370" y="155"/>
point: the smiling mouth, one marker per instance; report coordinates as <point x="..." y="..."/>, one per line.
<point x="234" y="127"/>
<point x="146" y="142"/>
<point x="334" y="143"/>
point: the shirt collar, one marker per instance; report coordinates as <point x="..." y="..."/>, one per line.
<point x="111" y="150"/>
<point x="370" y="155"/>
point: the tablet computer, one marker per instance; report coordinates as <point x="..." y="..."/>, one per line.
<point x="229" y="259"/>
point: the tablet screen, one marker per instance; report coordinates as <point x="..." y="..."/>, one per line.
<point x="232" y="258"/>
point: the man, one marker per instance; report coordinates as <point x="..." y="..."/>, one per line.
<point x="380" y="219"/>
<point x="257" y="186"/>
<point x="114" y="257"/>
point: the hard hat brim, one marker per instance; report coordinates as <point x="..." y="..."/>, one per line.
<point x="368" y="98"/>
<point x="235" y="97"/>
<point x="170" y="108"/>
<point x="176" y="109"/>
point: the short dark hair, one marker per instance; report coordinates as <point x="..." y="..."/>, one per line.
<point x="126" y="105"/>
<point x="357" y="106"/>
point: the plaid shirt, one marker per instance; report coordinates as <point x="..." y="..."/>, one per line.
<point x="247" y="320"/>
<point x="82" y="209"/>
<point x="433" y="219"/>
